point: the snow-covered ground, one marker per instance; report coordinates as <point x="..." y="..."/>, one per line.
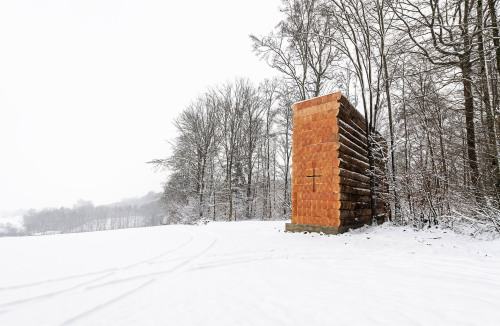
<point x="249" y="273"/>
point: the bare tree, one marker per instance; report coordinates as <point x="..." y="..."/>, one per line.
<point x="443" y="33"/>
<point x="197" y="125"/>
<point x="297" y="49"/>
<point x="286" y="98"/>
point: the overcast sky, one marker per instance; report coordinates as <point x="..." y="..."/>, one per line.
<point x="89" y="89"/>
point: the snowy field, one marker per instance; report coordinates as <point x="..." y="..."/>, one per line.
<point x="249" y="273"/>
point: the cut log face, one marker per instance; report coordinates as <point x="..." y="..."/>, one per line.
<point x="330" y="165"/>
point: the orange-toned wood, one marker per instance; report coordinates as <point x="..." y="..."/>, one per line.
<point x="334" y="97"/>
<point x="329" y="164"/>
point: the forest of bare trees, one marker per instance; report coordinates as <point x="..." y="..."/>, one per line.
<point x="423" y="72"/>
<point x="231" y="158"/>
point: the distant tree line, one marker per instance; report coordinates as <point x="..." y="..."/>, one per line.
<point x="10" y="230"/>
<point x="425" y="75"/>
<point x="85" y="217"/>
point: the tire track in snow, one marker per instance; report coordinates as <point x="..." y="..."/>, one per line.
<point x="107" y="303"/>
<point x="61" y="279"/>
<point x="107" y="273"/>
<point x="153" y="278"/>
<point x="66" y="278"/>
<point x="50" y="294"/>
<point x="237" y="261"/>
<point x="160" y="273"/>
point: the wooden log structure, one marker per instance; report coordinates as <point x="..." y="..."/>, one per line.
<point x="330" y="168"/>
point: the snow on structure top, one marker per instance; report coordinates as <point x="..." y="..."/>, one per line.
<point x="330" y="168"/>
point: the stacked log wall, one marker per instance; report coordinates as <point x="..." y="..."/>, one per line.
<point x="330" y="166"/>
<point x="352" y="118"/>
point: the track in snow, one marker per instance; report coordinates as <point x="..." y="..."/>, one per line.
<point x="240" y="273"/>
<point x="111" y="274"/>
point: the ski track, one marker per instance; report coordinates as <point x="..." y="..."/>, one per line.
<point x="107" y="273"/>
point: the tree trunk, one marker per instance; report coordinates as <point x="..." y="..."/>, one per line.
<point x="397" y="209"/>
<point x="286" y="200"/>
<point x="249" y="190"/>
<point x="202" y="188"/>
<point x="373" y="200"/>
<point x="486" y="100"/>
<point x="494" y="28"/>
<point x="466" y="67"/>
<point x="230" y="188"/>
<point x="469" y="125"/>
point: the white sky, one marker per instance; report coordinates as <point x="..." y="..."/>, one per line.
<point x="89" y="89"/>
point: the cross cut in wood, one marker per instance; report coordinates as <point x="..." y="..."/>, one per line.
<point x="314" y="176"/>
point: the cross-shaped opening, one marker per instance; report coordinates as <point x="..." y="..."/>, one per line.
<point x="314" y="176"/>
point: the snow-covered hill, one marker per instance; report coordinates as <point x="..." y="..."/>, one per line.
<point x="249" y="273"/>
